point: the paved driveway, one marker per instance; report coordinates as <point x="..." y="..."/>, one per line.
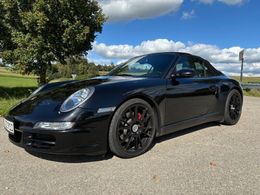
<point x="209" y="159"/>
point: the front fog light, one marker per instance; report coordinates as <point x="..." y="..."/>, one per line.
<point x="54" y="125"/>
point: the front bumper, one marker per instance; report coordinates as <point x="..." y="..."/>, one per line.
<point x="89" y="137"/>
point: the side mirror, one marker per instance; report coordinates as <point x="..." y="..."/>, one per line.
<point x="185" y="73"/>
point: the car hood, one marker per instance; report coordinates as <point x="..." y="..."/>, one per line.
<point x="50" y="101"/>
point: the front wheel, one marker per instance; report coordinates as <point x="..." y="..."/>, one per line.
<point x="233" y="107"/>
<point x="132" y="129"/>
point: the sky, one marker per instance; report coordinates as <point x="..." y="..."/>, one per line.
<point x="214" y="29"/>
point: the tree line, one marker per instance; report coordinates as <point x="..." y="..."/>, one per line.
<point x="81" y="67"/>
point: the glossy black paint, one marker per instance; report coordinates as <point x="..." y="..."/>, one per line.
<point x="178" y="102"/>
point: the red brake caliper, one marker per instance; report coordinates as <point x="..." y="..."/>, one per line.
<point x="139" y="116"/>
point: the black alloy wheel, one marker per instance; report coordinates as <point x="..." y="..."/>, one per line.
<point x="233" y="107"/>
<point x="132" y="129"/>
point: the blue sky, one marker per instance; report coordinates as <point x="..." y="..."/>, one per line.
<point x="214" y="29"/>
<point x="217" y="23"/>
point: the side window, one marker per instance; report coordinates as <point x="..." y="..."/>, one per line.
<point x="184" y="62"/>
<point x="209" y="69"/>
<point x="202" y="68"/>
<point x="199" y="68"/>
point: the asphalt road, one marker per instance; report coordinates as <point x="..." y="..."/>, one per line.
<point x="209" y="159"/>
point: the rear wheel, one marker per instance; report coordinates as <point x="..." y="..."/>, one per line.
<point x="233" y="107"/>
<point x="132" y="128"/>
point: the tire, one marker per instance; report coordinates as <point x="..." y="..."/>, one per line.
<point x="233" y="107"/>
<point x="132" y="129"/>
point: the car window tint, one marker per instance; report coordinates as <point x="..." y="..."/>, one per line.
<point x="140" y="69"/>
<point x="199" y="67"/>
<point x="153" y="65"/>
<point x="209" y="69"/>
<point x="184" y="63"/>
<point x="202" y="68"/>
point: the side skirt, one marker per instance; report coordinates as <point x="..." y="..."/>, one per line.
<point x="189" y="123"/>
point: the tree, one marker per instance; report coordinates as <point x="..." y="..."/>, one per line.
<point x="5" y="38"/>
<point x="1" y="28"/>
<point x="79" y="66"/>
<point x="106" y="68"/>
<point x="46" y="31"/>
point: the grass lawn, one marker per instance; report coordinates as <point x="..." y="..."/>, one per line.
<point x="14" y="88"/>
<point x="7" y="72"/>
<point x="248" y="79"/>
<point x="253" y="92"/>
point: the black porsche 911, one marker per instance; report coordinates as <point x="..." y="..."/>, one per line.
<point x="146" y="97"/>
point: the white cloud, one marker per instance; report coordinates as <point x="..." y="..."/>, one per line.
<point x="188" y="15"/>
<point x="232" y="2"/>
<point x="224" y="59"/>
<point x="228" y="2"/>
<point x="138" y="9"/>
<point x="121" y="10"/>
<point x="128" y="51"/>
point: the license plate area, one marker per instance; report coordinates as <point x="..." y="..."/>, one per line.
<point x="9" y="126"/>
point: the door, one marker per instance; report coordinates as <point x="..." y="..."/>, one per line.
<point x="189" y="97"/>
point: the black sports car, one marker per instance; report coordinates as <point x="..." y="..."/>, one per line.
<point x="148" y="96"/>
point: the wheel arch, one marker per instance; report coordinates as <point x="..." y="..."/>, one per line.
<point x="232" y="88"/>
<point x="150" y="101"/>
<point x="225" y="119"/>
<point x="239" y="89"/>
<point x="235" y="85"/>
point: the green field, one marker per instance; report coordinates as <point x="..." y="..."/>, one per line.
<point x="248" y="79"/>
<point x="15" y="87"/>
<point x="253" y="92"/>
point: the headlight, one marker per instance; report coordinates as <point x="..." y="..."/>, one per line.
<point x="77" y="99"/>
<point x="54" y="125"/>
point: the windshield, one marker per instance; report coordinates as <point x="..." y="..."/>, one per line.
<point x="153" y="65"/>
